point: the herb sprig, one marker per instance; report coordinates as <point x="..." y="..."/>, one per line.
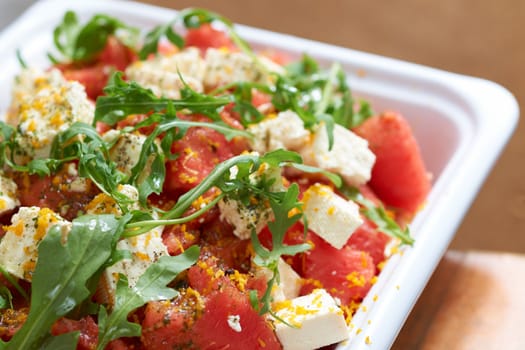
<point x="123" y="98"/>
<point x="126" y="98"/>
<point x="61" y="272"/>
<point x="287" y="211"/>
<point x="319" y="97"/>
<point x="151" y="286"/>
<point x="190" y="18"/>
<point x="80" y="43"/>
<point x="379" y="216"/>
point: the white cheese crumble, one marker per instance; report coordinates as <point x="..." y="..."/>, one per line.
<point x="289" y="284"/>
<point x="162" y="74"/>
<point x="225" y="67"/>
<point x="234" y="321"/>
<point x="255" y="215"/>
<point x="349" y="156"/>
<point x="285" y="130"/>
<point x="244" y="218"/>
<point x="8" y="198"/>
<point x="45" y="104"/>
<point x="145" y="249"/>
<point x="126" y="151"/>
<point x="316" y="318"/>
<point x="329" y="215"/>
<point x="19" y="246"/>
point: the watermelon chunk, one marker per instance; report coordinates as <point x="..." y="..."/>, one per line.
<point x="399" y="177"/>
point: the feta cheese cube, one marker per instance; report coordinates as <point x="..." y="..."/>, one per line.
<point x="289" y="281"/>
<point x="225" y="67"/>
<point x="19" y="246"/>
<point x="78" y="184"/>
<point x="316" y="318"/>
<point x="244" y="218"/>
<point x="349" y="156"/>
<point x="45" y="104"/>
<point x="126" y="151"/>
<point x="8" y="198"/>
<point x="105" y="204"/>
<point x="162" y="74"/>
<point x="144" y="249"/>
<point x="286" y="130"/>
<point x="329" y="215"/>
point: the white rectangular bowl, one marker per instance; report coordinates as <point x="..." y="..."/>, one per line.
<point x="462" y="124"/>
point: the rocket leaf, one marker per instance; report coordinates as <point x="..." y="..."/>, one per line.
<point x="152" y="285"/>
<point x="64" y="265"/>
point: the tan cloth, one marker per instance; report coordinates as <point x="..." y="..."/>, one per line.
<point x="475" y="300"/>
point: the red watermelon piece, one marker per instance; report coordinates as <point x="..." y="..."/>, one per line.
<point x="345" y="273"/>
<point x="230" y="322"/>
<point x="399" y="177"/>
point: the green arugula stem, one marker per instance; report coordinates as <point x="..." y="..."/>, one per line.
<point x="15" y="283"/>
<point x="227" y="131"/>
<point x="138" y="228"/>
<point x="189" y="197"/>
<point x="328" y="90"/>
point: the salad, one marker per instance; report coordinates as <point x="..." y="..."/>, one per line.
<point x="176" y="189"/>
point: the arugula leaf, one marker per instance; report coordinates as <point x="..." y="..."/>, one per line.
<point x="195" y="17"/>
<point x="6" y="298"/>
<point x="318" y="96"/>
<point x="79" y="43"/>
<point x="154" y="180"/>
<point x="287" y="96"/>
<point x="124" y="98"/>
<point x="192" y="18"/>
<point x="65" y="33"/>
<point x="379" y="216"/>
<point x="151" y="286"/>
<point x="334" y="178"/>
<point x="248" y="113"/>
<point x="282" y="207"/>
<point x="152" y="38"/>
<point x="66" y="341"/>
<point x="82" y="142"/>
<point x="8" y="146"/>
<point x="14" y="283"/>
<point x="61" y="272"/>
<point x="220" y="177"/>
<point x="385" y="223"/>
<point x="364" y="112"/>
<point x="280" y="157"/>
<point x="305" y="67"/>
<point x="20" y="59"/>
<point x="343" y="104"/>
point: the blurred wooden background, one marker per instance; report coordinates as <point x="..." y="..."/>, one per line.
<point x="483" y="38"/>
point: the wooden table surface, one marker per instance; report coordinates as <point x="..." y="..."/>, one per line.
<point x="474" y="301"/>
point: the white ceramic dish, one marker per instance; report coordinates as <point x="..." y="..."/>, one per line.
<point x="462" y="124"/>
